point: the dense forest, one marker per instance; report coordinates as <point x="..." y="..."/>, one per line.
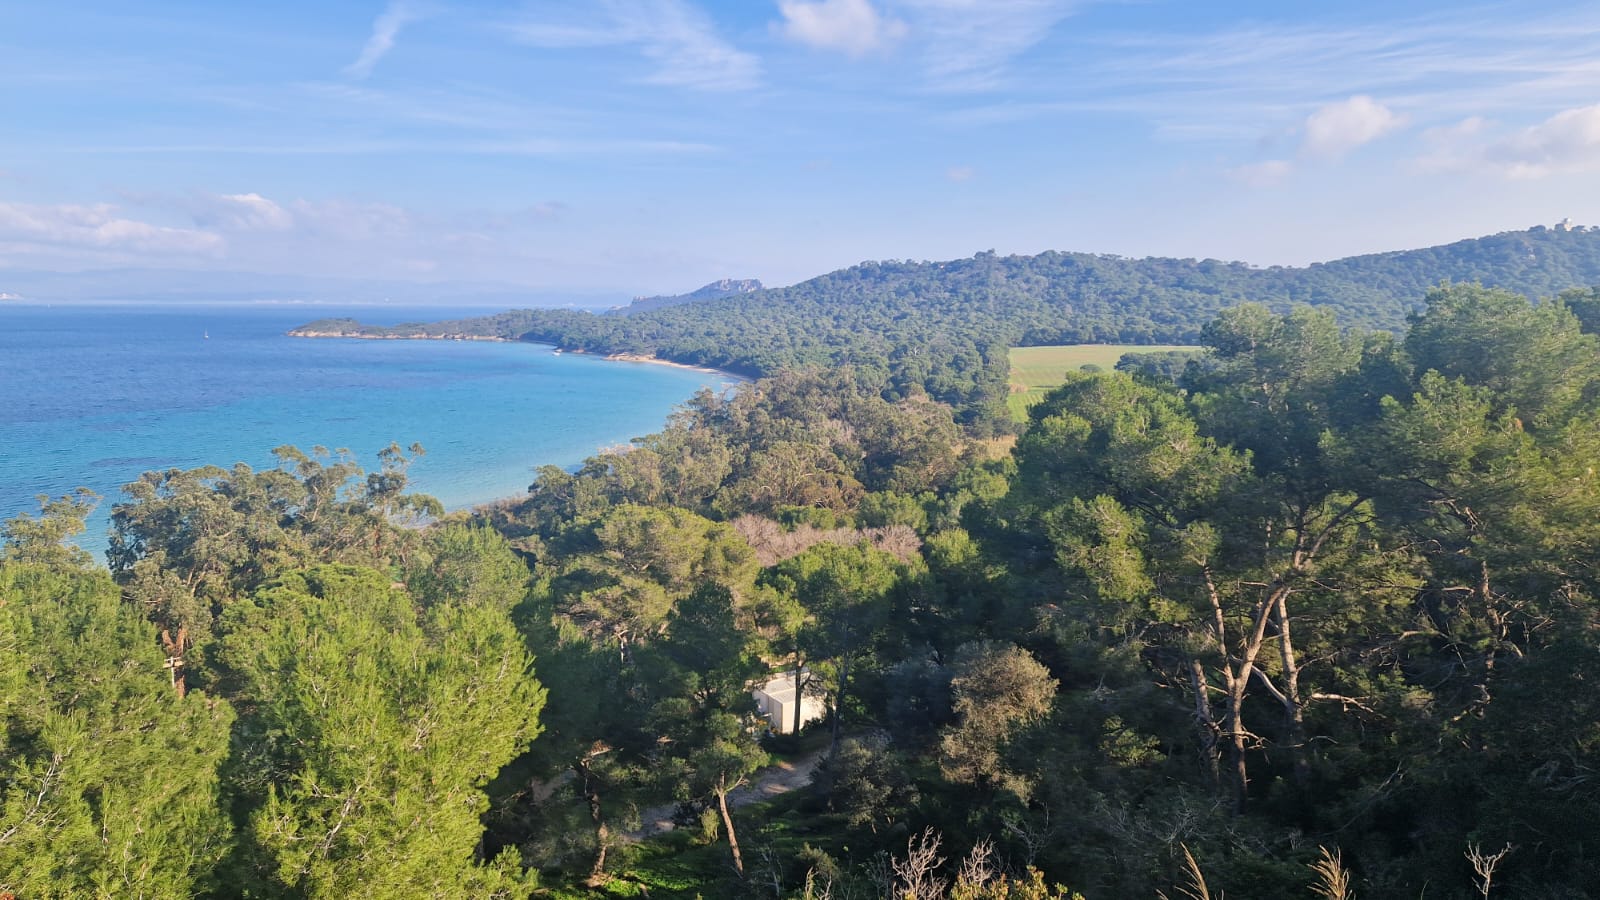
<point x="1315" y="615"/>
<point x="943" y="328"/>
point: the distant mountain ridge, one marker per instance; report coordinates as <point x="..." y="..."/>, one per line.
<point x="943" y="327"/>
<point x="716" y="290"/>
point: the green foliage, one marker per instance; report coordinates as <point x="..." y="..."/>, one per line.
<point x="867" y="783"/>
<point x="375" y="725"/>
<point x="944" y="328"/>
<point x="467" y="566"/>
<point x="1534" y="359"/>
<point x="800" y="445"/>
<point x="707" y="748"/>
<point x="629" y="567"/>
<point x="1585" y="305"/>
<point x="45" y="540"/>
<point x="108" y="775"/>
<point x="1324" y="588"/>
<point x="186" y="544"/>
<point x="996" y="689"/>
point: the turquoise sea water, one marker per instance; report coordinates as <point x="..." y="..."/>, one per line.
<point x="93" y="396"/>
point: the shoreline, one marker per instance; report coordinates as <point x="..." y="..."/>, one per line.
<point x="658" y="361"/>
<point x="415" y="336"/>
<point x="482" y="507"/>
<point x="613" y="357"/>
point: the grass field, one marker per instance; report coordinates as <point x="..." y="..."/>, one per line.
<point x="1035" y="370"/>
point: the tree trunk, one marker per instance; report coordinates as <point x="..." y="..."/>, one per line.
<point x="602" y="834"/>
<point x="1205" y="723"/>
<point x="727" y="823"/>
<point x="1234" y="724"/>
<point x="1235" y="683"/>
<point x="597" y="872"/>
<point x="838" y="705"/>
<point x="1294" y="710"/>
<point x="799" y="695"/>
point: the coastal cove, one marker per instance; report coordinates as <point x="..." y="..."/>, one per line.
<point x="99" y="394"/>
<point x="359" y="334"/>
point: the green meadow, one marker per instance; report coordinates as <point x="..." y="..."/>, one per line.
<point x="1035" y="370"/>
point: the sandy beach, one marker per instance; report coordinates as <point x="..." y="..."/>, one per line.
<point x="657" y="361"/>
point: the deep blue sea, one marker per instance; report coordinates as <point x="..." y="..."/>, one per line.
<point x="96" y="395"/>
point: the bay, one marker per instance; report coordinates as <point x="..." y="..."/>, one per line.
<point x="93" y="396"/>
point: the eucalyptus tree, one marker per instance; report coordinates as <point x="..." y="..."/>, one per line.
<point x="187" y="543"/>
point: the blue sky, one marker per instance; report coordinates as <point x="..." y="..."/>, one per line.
<point x="645" y="146"/>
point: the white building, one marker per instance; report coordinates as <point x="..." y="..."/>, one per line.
<point x="776" y="700"/>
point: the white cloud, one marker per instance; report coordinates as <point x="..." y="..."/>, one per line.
<point x="254" y="214"/>
<point x="1338" y="128"/>
<point x="385" y="29"/>
<point x="676" y="36"/>
<point x="1266" y="173"/>
<point x="98" y="227"/>
<point x="960" y="173"/>
<point x="240" y="212"/>
<point x="1567" y="142"/>
<point x="852" y="26"/>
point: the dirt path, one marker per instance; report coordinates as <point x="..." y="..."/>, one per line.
<point x="768" y="783"/>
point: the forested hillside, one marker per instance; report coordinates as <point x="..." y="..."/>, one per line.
<point x="943" y="327"/>
<point x="1315" y="618"/>
<point x="716" y="290"/>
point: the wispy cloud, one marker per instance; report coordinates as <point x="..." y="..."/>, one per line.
<point x="1239" y="82"/>
<point x="252" y="220"/>
<point x="960" y="173"/>
<point x="385" y="29"/>
<point x="854" y="27"/>
<point x="1338" y="128"/>
<point x="476" y="108"/>
<point x="968" y="44"/>
<point x="98" y="227"/>
<point x="533" y="146"/>
<point x="678" y="38"/>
